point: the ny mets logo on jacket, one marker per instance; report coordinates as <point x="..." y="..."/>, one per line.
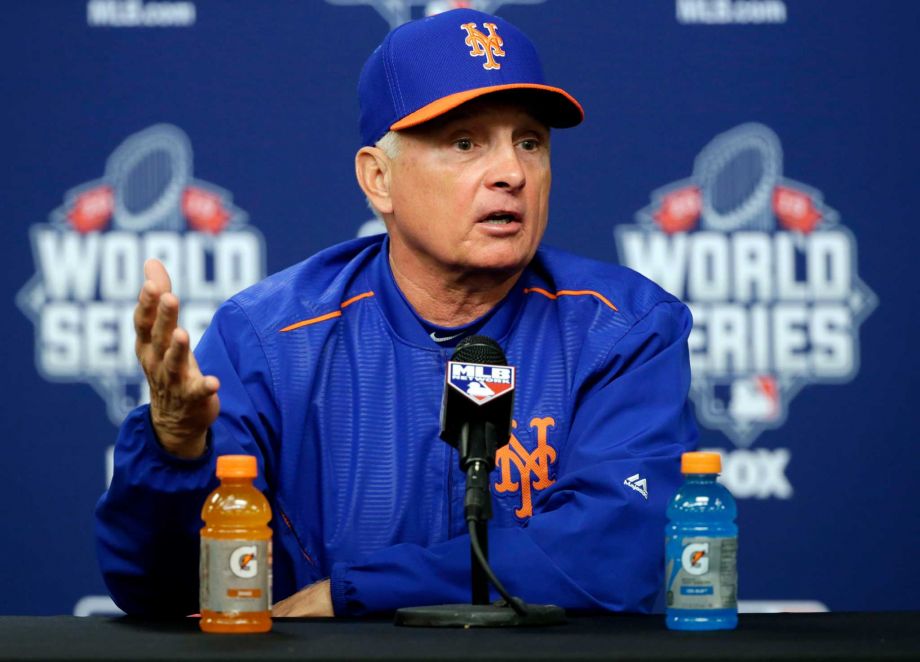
<point x="530" y="467"/>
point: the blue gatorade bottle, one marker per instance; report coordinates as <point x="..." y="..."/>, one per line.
<point x="701" y="546"/>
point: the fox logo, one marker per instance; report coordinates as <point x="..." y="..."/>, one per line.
<point x="480" y="44"/>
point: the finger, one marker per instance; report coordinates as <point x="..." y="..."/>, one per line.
<point x="175" y="360"/>
<point x="155" y="271"/>
<point x="145" y="311"/>
<point x="313" y="601"/>
<point x="167" y="316"/>
<point x="202" y="387"/>
<point x="291" y="605"/>
<point x="283" y="608"/>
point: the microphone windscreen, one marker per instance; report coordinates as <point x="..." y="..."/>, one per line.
<point x="479" y="349"/>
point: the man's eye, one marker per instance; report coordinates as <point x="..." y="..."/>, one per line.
<point x="464" y="144"/>
<point x="530" y="144"/>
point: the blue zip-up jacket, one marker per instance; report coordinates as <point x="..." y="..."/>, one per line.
<point x="330" y="378"/>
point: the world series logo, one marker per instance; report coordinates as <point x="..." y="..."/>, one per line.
<point x="89" y="262"/>
<point x="769" y="273"/>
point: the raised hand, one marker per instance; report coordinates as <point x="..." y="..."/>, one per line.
<point x="183" y="402"/>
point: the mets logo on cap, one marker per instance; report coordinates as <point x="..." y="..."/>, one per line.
<point x="480" y="382"/>
<point x="480" y="44"/>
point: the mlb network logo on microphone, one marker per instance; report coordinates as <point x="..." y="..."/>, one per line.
<point x="479" y="382"/>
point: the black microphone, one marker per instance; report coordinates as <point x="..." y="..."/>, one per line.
<point x="476" y="420"/>
<point x="476" y="414"/>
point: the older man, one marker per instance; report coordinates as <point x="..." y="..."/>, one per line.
<point x="331" y="372"/>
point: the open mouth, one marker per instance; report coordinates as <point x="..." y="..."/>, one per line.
<point x="501" y="218"/>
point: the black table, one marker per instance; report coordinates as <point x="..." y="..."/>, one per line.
<point x="622" y="637"/>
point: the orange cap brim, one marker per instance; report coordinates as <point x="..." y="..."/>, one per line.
<point x="448" y="103"/>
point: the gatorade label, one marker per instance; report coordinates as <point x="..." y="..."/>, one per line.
<point x="235" y="575"/>
<point x="702" y="574"/>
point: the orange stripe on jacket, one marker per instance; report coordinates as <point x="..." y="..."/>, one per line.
<point x="327" y="316"/>
<point x="357" y="297"/>
<point x="563" y="293"/>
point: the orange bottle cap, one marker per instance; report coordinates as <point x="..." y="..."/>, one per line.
<point x="700" y="463"/>
<point x="237" y="466"/>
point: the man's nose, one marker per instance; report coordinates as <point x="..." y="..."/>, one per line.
<point x="506" y="170"/>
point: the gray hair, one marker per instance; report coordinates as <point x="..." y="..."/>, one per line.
<point x="389" y="144"/>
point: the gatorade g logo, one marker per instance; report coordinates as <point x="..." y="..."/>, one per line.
<point x="480" y="44"/>
<point x="243" y="562"/>
<point x="695" y="558"/>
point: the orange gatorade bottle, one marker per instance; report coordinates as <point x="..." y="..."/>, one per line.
<point x="236" y="552"/>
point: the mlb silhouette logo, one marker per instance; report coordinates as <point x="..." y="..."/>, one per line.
<point x="755" y="399"/>
<point x="480" y="382"/>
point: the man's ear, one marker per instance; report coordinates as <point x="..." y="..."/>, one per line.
<point x="372" y="168"/>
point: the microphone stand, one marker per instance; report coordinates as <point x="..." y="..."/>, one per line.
<point x="477" y="473"/>
<point x="477" y="451"/>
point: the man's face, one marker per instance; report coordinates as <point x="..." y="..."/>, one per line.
<point x="470" y="191"/>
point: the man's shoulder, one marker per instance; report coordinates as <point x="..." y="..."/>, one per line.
<point x="313" y="287"/>
<point x="581" y="282"/>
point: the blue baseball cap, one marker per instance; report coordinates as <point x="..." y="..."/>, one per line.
<point x="428" y="67"/>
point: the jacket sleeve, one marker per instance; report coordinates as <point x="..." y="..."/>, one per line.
<point x="148" y="521"/>
<point x="593" y="541"/>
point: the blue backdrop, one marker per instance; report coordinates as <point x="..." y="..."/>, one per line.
<point x="756" y="157"/>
